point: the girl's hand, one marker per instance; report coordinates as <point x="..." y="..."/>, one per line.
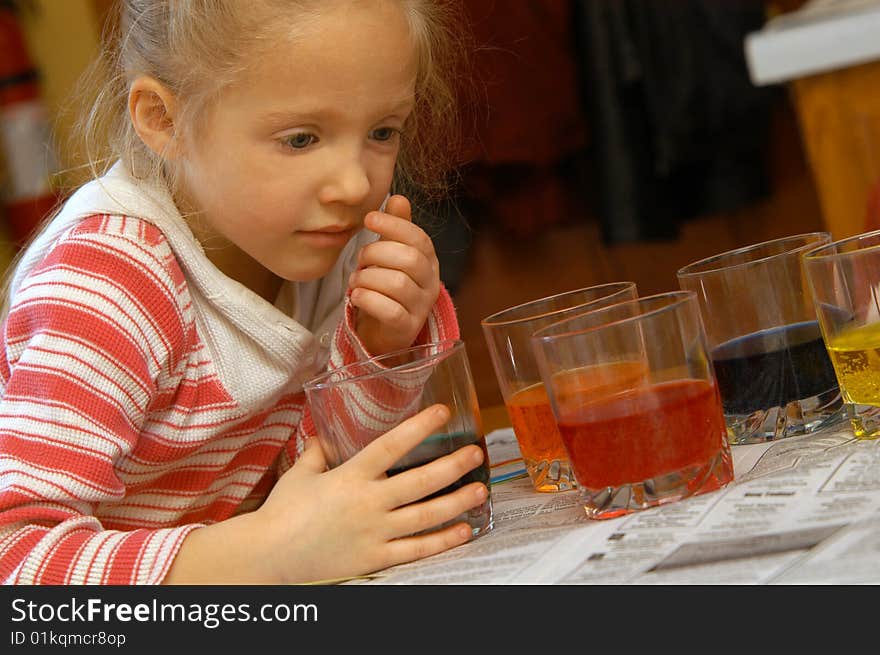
<point x="351" y="520"/>
<point x="397" y="281"/>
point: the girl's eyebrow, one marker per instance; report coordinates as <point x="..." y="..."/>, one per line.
<point x="404" y="105"/>
<point x="286" y="117"/>
<point x="307" y="115"/>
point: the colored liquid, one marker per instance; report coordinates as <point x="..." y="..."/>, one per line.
<point x="532" y="417"/>
<point x="772" y="368"/>
<point x="442" y="444"/>
<point x="856" y="357"/>
<point x="644" y="433"/>
<point x="534" y="424"/>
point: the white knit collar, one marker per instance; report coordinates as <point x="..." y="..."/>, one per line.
<point x="118" y="193"/>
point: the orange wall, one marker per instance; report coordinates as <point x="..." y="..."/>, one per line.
<point x="62" y="38"/>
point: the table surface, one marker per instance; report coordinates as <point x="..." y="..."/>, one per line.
<point x="802" y="510"/>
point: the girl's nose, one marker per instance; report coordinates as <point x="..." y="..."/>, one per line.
<point x="347" y="183"/>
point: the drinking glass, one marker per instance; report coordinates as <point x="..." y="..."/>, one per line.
<point x="354" y="404"/>
<point x="845" y="280"/>
<point x="654" y="432"/>
<point x="774" y="374"/>
<point x="507" y="334"/>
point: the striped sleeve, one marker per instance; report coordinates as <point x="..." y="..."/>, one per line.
<point x="94" y="332"/>
<point x="347" y="348"/>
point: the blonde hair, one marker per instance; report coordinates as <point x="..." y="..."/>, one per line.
<point x="197" y="47"/>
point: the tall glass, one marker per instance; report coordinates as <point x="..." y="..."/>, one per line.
<point x="845" y="280"/>
<point x="507" y="334"/>
<point x="353" y="405"/>
<point x="659" y="436"/>
<point x="774" y="374"/>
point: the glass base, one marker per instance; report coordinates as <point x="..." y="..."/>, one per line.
<point x="611" y="502"/>
<point x="550" y="476"/>
<point x="797" y="417"/>
<point x="865" y="420"/>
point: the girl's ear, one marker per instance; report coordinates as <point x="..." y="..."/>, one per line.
<point x="153" y="109"/>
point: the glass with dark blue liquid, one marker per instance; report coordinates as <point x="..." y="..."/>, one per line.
<point x="774" y="374"/>
<point x="354" y="404"/>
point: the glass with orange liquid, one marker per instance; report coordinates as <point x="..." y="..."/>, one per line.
<point x="655" y="434"/>
<point x="507" y="334"/>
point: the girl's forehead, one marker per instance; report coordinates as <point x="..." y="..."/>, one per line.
<point x="341" y="63"/>
<point x="342" y="39"/>
<point x="334" y="18"/>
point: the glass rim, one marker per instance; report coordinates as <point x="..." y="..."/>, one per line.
<point x="492" y="321"/>
<point x="816" y="253"/>
<point x="676" y="299"/>
<point x="444" y="348"/>
<point x="701" y="266"/>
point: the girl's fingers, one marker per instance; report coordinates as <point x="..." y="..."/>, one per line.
<point x="386" y="310"/>
<point x="393" y="228"/>
<point x="382" y="453"/>
<point x="419" y="482"/>
<point x="400" y="257"/>
<point x="394" y="284"/>
<point x="431" y="513"/>
<point x="409" y="549"/>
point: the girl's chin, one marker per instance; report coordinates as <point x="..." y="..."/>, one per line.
<point x="306" y="272"/>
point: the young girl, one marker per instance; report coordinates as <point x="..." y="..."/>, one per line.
<point x="158" y="331"/>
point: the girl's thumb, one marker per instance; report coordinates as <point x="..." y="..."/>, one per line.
<point x="399" y="206"/>
<point x="312" y="456"/>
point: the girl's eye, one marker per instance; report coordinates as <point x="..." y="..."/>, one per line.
<point x="384" y="133"/>
<point x="299" y="140"/>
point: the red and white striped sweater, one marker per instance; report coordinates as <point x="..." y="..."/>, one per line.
<point x="144" y="394"/>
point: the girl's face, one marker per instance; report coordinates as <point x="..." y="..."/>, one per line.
<point x="292" y="157"/>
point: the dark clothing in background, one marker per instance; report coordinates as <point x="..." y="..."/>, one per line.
<point x="531" y="124"/>
<point x="529" y="131"/>
<point x="678" y="130"/>
<point x="637" y="112"/>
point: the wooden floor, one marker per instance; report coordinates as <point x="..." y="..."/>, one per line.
<point x="502" y="272"/>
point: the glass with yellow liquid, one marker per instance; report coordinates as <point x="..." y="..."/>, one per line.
<point x="845" y="280"/>
<point x="855" y="354"/>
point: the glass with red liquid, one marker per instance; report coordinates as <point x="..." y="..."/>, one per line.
<point x="507" y="334"/>
<point x="657" y="439"/>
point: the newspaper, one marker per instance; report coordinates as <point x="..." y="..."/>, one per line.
<point x="802" y="510"/>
